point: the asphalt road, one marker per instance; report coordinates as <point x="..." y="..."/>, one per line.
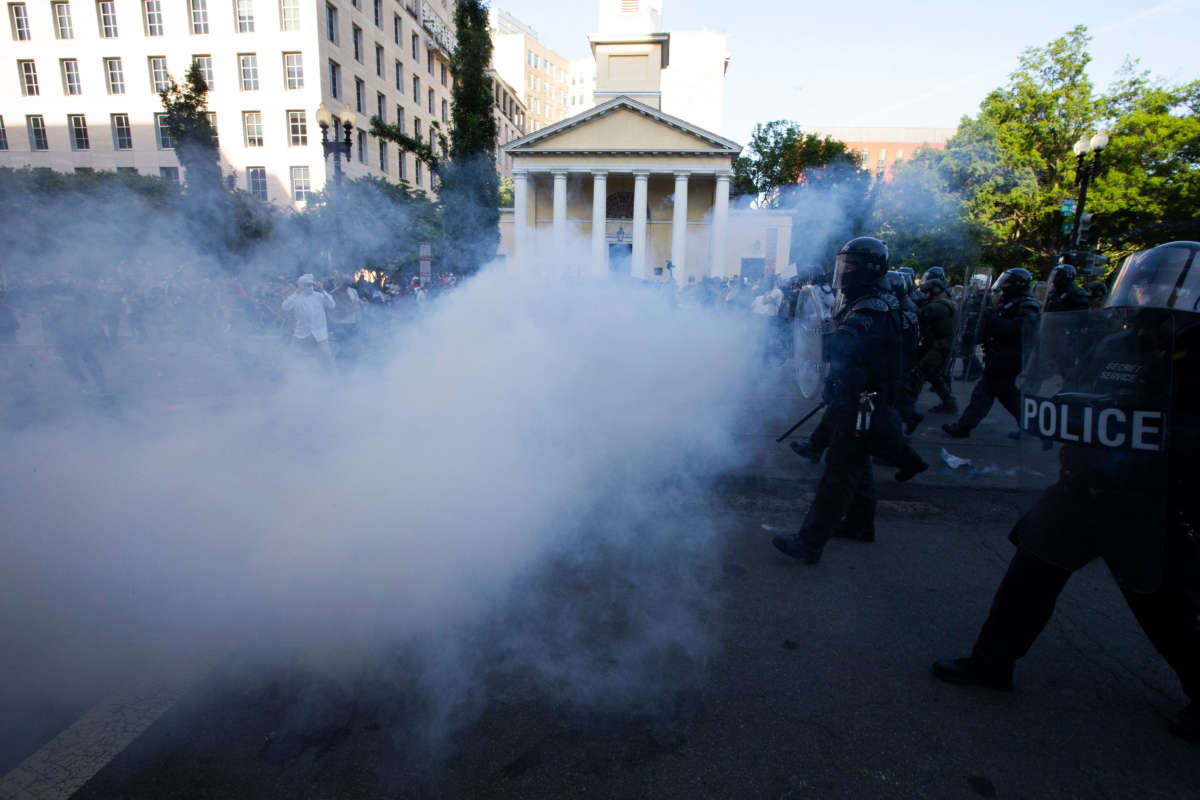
<point x="820" y="687"/>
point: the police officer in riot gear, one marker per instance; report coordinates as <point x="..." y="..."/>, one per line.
<point x="1129" y="421"/>
<point x="1065" y="295"/>
<point x="1008" y="326"/>
<point x="1097" y="294"/>
<point x="863" y="350"/>
<point x="938" y="323"/>
<point x="910" y="344"/>
<point x="933" y="273"/>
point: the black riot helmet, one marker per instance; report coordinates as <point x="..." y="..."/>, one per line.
<point x="1097" y="290"/>
<point x="1061" y="277"/>
<point x="933" y="272"/>
<point x="1013" y="283"/>
<point x="1167" y="276"/>
<point x="861" y="265"/>
<point x="934" y="286"/>
<point x="897" y="284"/>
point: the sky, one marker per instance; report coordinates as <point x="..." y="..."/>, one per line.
<point x="882" y="63"/>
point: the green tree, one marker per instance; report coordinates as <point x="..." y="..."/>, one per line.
<point x="469" y="186"/>
<point x="211" y="215"/>
<point x="818" y="180"/>
<point x="779" y="156"/>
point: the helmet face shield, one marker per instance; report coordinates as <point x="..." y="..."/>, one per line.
<point x="847" y="265"/>
<point x="1163" y="277"/>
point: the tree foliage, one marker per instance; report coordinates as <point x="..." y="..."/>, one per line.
<point x="779" y="156"/>
<point x="1012" y="165"/>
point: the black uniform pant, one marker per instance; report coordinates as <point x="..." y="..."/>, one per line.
<point x="991" y="387"/>
<point x="1025" y="600"/>
<point x="933" y="368"/>
<point x="845" y="496"/>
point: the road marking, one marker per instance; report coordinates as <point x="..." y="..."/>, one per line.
<point x="68" y="761"/>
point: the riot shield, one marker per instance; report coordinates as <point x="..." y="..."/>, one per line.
<point x="966" y="356"/>
<point x="1121" y="414"/>
<point x="813" y="310"/>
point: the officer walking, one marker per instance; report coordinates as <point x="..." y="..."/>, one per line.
<point x="1126" y="490"/>
<point x="1065" y="294"/>
<point x="1007" y="327"/>
<point x="938" y="322"/>
<point x="863" y="350"/>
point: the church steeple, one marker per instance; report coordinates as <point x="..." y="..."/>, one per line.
<point x="631" y="51"/>
<point x="630" y="16"/>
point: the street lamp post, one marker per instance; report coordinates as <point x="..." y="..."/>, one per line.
<point x="1084" y="174"/>
<point x="337" y="147"/>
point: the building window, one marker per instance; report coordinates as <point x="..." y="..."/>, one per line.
<point x="205" y="65"/>
<point x="335" y="80"/>
<point x="415" y="42"/>
<point x="256" y="181"/>
<point x="331" y="23"/>
<point x="293" y="70"/>
<point x="37" y="132"/>
<point x="199" y="14"/>
<point x="289" y="15"/>
<point x="397" y="28"/>
<point x="357" y="41"/>
<point x="429" y="59"/>
<point x="29" y="83"/>
<point x="162" y="133"/>
<point x="360" y="96"/>
<point x="248" y="68"/>
<point x="244" y="11"/>
<point x="417" y="169"/>
<point x="70" y="76"/>
<point x="379" y="14"/>
<point x="121" y="132"/>
<point x="160" y="80"/>
<point x="211" y="116"/>
<point x="19" y="17"/>
<point x="416" y="82"/>
<point x="79" y="133"/>
<point x="899" y="155"/>
<point x="127" y="170"/>
<point x="379" y="60"/>
<point x="400" y="117"/>
<point x="169" y="174"/>
<point x="362" y="147"/>
<point x="297" y="128"/>
<point x="106" y="12"/>
<point x="417" y="128"/>
<point x="429" y="98"/>
<point x="383" y="156"/>
<point x="381" y="106"/>
<point x="62" y="21"/>
<point x="402" y="161"/>
<point x="152" y="17"/>
<point x="445" y="111"/>
<point x="114" y="76"/>
<point x="444" y="71"/>
<point x="3" y="135"/>
<point x="301" y="185"/>
<point x="399" y="76"/>
<point x="252" y="128"/>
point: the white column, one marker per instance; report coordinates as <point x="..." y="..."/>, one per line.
<point x="599" y="219"/>
<point x="720" y="226"/>
<point x="641" y="183"/>
<point x="522" y="259"/>
<point x="679" y="227"/>
<point x="560" y="216"/>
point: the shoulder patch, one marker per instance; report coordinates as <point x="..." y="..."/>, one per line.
<point x="871" y="302"/>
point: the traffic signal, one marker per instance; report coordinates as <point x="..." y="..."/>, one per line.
<point x="1085" y="228"/>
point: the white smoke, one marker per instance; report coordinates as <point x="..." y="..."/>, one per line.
<point x="524" y="469"/>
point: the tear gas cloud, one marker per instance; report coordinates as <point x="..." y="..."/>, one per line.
<point x="524" y="466"/>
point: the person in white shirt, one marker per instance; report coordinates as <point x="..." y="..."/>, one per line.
<point x="307" y="306"/>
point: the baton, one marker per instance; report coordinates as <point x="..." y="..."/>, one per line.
<point x="803" y="420"/>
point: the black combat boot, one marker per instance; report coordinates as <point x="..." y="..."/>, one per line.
<point x="975" y="672"/>
<point x="910" y="471"/>
<point x="797" y="548"/>
<point x="805" y="450"/>
<point x="955" y="431"/>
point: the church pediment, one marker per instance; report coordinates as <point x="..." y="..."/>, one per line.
<point x="623" y="125"/>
